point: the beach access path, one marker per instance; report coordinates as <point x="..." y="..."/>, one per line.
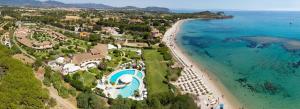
<point x="219" y="91"/>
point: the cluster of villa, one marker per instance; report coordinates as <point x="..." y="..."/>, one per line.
<point x="24" y="34"/>
<point x="155" y="32"/>
<point x="80" y="61"/>
<point x="111" y="30"/>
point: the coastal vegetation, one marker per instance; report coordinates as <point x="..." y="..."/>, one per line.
<point x="19" y="87"/>
<point x="89" y="100"/>
<point x="82" y="80"/>
<point x="54" y="79"/>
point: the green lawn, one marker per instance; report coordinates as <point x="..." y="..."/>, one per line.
<point x="88" y="79"/>
<point x="156" y="70"/>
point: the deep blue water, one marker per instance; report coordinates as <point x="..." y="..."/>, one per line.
<point x="266" y="77"/>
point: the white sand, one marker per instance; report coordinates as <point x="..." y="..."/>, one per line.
<point x="212" y="84"/>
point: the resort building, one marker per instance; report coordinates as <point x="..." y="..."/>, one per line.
<point x="95" y="55"/>
<point x="112" y="47"/>
<point x="81" y="61"/>
<point x="111" y="30"/>
<point x="70" y="68"/>
<point x="42" y="45"/>
<point x="155" y="32"/>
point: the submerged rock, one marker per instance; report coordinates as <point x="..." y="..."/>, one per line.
<point x="244" y="83"/>
<point x="270" y="87"/>
<point x="207" y="54"/>
<point x="295" y="64"/>
<point x="242" y="80"/>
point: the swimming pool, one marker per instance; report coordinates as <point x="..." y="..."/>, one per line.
<point x="128" y="89"/>
<point x="117" y="75"/>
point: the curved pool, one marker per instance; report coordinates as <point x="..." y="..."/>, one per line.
<point x="117" y="75"/>
<point x="128" y="89"/>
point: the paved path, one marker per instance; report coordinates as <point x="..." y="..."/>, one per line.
<point x="61" y="102"/>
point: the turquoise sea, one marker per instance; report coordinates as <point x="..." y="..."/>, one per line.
<point x="262" y="73"/>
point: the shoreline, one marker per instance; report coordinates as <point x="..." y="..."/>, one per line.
<point x="210" y="81"/>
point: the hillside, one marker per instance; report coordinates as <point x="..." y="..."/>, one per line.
<point x="19" y="88"/>
<point x="52" y="3"/>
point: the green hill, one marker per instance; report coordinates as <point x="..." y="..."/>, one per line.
<point x="19" y="89"/>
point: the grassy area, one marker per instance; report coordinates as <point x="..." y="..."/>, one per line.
<point x="156" y="70"/>
<point x="115" y="59"/>
<point x="88" y="79"/>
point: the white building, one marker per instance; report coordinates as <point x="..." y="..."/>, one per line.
<point x="111" y="47"/>
<point x="60" y="60"/>
<point x="70" y="68"/>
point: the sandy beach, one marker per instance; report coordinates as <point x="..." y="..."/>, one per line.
<point x="217" y="89"/>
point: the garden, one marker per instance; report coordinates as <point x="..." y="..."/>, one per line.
<point x="41" y="36"/>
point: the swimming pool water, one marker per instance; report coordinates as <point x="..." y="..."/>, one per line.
<point x="140" y="75"/>
<point x="114" y="78"/>
<point x="129" y="89"/>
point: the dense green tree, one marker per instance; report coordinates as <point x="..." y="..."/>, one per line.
<point x="183" y="102"/>
<point x="88" y="100"/>
<point x="94" y="38"/>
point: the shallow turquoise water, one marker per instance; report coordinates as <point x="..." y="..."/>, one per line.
<point x="114" y="77"/>
<point x="259" y="77"/>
